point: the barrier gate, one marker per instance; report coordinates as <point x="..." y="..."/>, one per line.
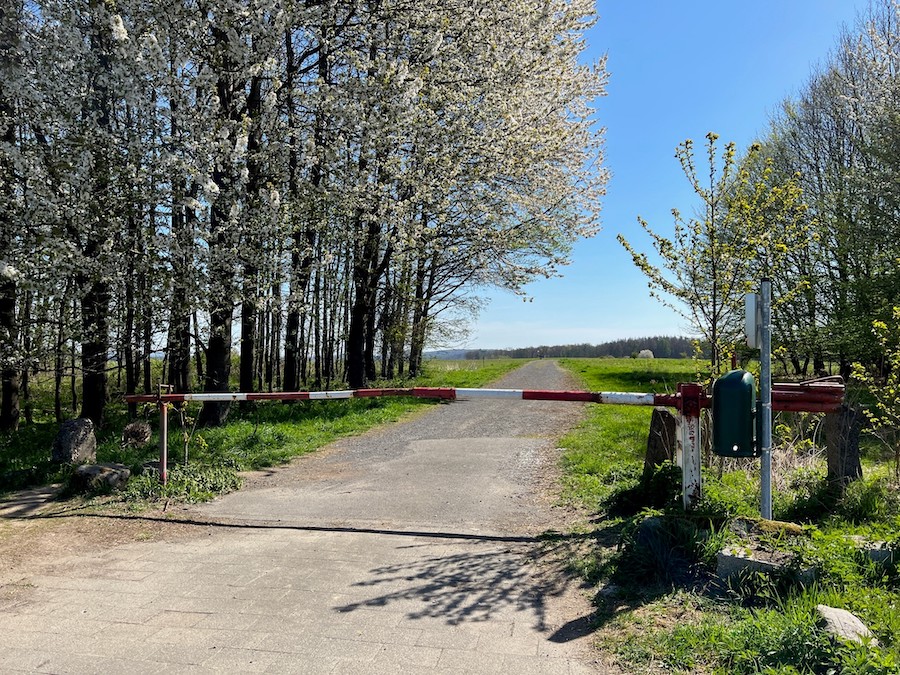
<point x="825" y="396"/>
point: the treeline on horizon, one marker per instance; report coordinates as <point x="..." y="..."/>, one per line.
<point x="663" y="347"/>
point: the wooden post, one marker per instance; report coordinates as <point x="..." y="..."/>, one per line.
<point x="842" y="431"/>
<point x="689" y="422"/>
<point x="661" y="441"/>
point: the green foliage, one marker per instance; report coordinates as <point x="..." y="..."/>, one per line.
<point x="749" y="221"/>
<point x="666" y="548"/>
<point x="869" y="500"/>
<point x="185" y="483"/>
<point x="663" y="347"/>
<point x="730" y="495"/>
<point x="781" y="638"/>
<point x="764" y="623"/>
<point x="268" y="434"/>
<point x="884" y="416"/>
<point x="812" y="498"/>
<point x="661" y="490"/>
<point x="265" y="434"/>
<point x="604" y="454"/>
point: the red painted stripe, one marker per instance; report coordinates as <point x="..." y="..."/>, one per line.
<point x="278" y="396"/>
<point x="813" y="407"/>
<point x="548" y="395"/>
<point x="444" y="393"/>
<point x="786" y="396"/>
<point x="810" y="397"/>
<point x="370" y="393"/>
<point x="798" y="386"/>
<point x="670" y="400"/>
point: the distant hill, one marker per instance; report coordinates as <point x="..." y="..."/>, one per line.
<point x="663" y="347"/>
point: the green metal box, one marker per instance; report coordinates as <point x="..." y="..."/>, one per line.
<point x="733" y="415"/>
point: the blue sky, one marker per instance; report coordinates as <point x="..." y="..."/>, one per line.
<point x="677" y="70"/>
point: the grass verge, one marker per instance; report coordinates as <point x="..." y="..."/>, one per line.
<point x="660" y="607"/>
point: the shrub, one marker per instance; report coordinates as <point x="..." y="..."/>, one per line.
<point x="868" y="500"/>
<point x="668" y="549"/>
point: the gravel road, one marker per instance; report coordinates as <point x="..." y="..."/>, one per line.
<point x="476" y="466"/>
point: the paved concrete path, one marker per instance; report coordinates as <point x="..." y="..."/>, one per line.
<point x="414" y="548"/>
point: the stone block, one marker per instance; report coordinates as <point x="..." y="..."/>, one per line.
<point x="75" y="443"/>
<point x="844" y="625"/>
<point x="733" y="560"/>
<point x="100" y="477"/>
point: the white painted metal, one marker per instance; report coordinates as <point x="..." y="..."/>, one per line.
<point x="489" y="393"/>
<point x="753" y="319"/>
<point x="322" y="395"/>
<point x="216" y="396"/>
<point x="690" y="462"/>
<point x="626" y="398"/>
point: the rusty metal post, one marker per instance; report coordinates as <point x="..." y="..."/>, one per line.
<point x="163" y="442"/>
<point x="689" y="422"/>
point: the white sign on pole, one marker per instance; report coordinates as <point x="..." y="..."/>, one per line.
<point x="753" y="319"/>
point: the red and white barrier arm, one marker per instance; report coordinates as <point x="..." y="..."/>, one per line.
<point x="614" y="397"/>
<point x="784" y="397"/>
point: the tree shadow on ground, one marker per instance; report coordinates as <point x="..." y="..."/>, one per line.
<point x="482" y="584"/>
<point x="648" y="564"/>
<point x="482" y="577"/>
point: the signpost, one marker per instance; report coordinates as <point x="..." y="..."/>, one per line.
<point x="765" y="398"/>
<point x="758" y="322"/>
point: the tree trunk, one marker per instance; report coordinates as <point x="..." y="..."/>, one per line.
<point x="9" y="331"/>
<point x="9" y="409"/>
<point x="356" y="340"/>
<point x="251" y="292"/>
<point x="178" y="340"/>
<point x="198" y="347"/>
<point x="129" y="338"/>
<point x="660" y="442"/>
<point x="304" y="238"/>
<point x="420" y="316"/>
<point x="222" y="237"/>
<point x="842" y="430"/>
<point x="27" y="346"/>
<point x="94" y="349"/>
<point x="95" y="293"/>
<point x="10" y="32"/>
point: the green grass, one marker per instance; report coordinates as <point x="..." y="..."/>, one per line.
<point x="605" y="453"/>
<point x="767" y="625"/>
<point x="274" y="433"/>
<point x="466" y="373"/>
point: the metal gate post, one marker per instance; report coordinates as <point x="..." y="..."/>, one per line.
<point x="689" y="421"/>
<point x="765" y="395"/>
<point x="163" y="442"/>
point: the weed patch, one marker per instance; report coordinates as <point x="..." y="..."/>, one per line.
<point x="185" y="483"/>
